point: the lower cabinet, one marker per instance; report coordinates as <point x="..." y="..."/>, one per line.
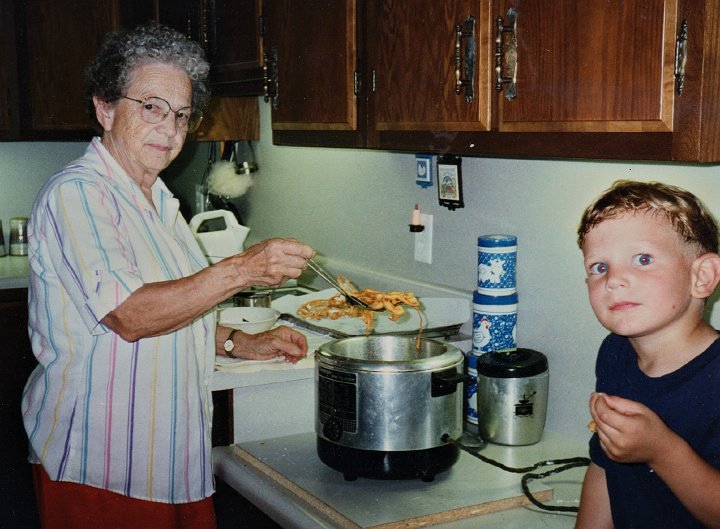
<point x="16" y="363"/>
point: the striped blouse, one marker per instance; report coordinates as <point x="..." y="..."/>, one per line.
<point x="133" y="418"/>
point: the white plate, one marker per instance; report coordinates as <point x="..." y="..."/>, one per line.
<point x="436" y="313"/>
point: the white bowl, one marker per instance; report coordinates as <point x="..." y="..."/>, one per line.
<point x="251" y="320"/>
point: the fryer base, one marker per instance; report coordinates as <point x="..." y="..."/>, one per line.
<point x="422" y="464"/>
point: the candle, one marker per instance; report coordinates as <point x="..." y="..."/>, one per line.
<point x="416" y="216"/>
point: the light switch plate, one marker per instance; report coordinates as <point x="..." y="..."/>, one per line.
<point x="423" y="240"/>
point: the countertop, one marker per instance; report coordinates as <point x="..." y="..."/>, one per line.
<point x="14" y="272"/>
<point x="284" y="477"/>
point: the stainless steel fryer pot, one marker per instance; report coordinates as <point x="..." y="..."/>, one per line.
<point x="381" y="398"/>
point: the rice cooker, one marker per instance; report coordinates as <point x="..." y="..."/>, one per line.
<point x="383" y="404"/>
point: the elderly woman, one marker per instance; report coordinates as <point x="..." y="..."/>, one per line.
<point x="118" y="411"/>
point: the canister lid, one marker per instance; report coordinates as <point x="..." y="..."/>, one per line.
<point x="482" y="299"/>
<point x="493" y="241"/>
<point x="512" y="364"/>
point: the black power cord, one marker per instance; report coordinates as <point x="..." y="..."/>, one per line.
<point x="565" y="464"/>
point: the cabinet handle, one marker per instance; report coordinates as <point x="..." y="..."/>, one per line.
<point x="270" y="77"/>
<point x="467" y="30"/>
<point x="506" y="52"/>
<point x="681" y="49"/>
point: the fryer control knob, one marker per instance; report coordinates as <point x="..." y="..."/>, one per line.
<point x="332" y="429"/>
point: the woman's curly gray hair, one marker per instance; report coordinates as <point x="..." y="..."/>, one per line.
<point x="108" y="74"/>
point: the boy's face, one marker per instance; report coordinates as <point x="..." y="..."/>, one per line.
<point x="638" y="276"/>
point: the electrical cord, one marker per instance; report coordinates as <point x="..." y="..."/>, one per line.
<point x="565" y="464"/>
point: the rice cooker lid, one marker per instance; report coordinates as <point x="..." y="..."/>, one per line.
<point x="512" y="364"/>
<point x="388" y="353"/>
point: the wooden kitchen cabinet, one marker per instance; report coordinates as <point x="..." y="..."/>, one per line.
<point x="56" y="41"/>
<point x="412" y="54"/>
<point x="9" y="115"/>
<point x="229" y="32"/>
<point x="52" y="42"/>
<point x="235" y="47"/>
<point x="16" y="364"/>
<point x="592" y="79"/>
<point x="591" y="66"/>
<point x="316" y="81"/>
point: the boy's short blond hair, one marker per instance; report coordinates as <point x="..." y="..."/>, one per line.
<point x="685" y="212"/>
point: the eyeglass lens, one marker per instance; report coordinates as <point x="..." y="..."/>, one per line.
<point x="155" y="109"/>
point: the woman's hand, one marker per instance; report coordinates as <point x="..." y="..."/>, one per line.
<point x="629" y="432"/>
<point x="278" y="342"/>
<point x="271" y="262"/>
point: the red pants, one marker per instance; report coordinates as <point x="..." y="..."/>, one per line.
<point x="64" y="505"/>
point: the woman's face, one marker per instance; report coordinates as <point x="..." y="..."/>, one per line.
<point x="144" y="149"/>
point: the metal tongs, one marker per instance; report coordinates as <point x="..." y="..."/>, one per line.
<point x="320" y="271"/>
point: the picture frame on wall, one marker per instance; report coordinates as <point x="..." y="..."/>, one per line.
<point x="424" y="176"/>
<point x="449" y="178"/>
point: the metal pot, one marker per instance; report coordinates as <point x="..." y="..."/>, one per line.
<point x="383" y="405"/>
<point x="253" y="298"/>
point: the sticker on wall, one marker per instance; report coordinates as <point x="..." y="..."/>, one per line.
<point x="423" y="164"/>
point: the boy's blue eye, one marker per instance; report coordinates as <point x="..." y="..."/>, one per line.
<point x="598" y="268"/>
<point x="642" y="259"/>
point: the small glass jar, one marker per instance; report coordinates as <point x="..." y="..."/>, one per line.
<point x="18" y="236"/>
<point x="2" y="241"/>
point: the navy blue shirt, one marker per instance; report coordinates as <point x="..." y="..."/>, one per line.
<point x="688" y="400"/>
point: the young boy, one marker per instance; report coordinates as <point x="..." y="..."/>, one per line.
<point x="650" y="253"/>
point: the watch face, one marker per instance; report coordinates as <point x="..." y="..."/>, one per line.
<point x="229" y="345"/>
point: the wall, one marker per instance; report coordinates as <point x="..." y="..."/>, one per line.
<point x="354" y="206"/>
<point x="24" y="167"/>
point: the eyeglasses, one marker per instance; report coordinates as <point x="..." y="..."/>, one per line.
<point x="155" y="109"/>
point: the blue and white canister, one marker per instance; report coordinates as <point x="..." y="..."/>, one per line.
<point x="471" y="416"/>
<point x="494" y="323"/>
<point x="497" y="264"/>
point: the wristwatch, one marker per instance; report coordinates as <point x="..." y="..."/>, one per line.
<point x="229" y="344"/>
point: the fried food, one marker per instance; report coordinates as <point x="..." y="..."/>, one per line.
<point x="338" y="306"/>
<point x="592" y="426"/>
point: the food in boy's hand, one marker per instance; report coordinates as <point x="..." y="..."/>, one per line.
<point x="592" y="426"/>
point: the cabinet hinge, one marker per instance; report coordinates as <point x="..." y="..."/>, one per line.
<point x="357" y="82"/>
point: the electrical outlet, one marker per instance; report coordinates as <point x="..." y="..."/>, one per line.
<point x="423" y="240"/>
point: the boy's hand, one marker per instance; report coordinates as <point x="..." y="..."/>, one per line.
<point x="629" y="432"/>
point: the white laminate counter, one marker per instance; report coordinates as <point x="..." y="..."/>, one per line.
<point x="14" y="272"/>
<point x="284" y="478"/>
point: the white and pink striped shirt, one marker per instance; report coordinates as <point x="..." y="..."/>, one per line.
<point x="133" y="418"/>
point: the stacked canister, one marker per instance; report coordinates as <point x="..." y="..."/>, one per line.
<point x="494" y="307"/>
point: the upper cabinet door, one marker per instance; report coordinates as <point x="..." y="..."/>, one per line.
<point x="588" y="65"/>
<point x="430" y="63"/>
<point x="9" y="102"/>
<point x="234" y="47"/>
<point x="311" y="60"/>
<point x="61" y="38"/>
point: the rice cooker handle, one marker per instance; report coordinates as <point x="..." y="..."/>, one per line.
<point x="445" y="382"/>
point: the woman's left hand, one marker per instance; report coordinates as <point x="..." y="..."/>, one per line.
<point x="278" y="342"/>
